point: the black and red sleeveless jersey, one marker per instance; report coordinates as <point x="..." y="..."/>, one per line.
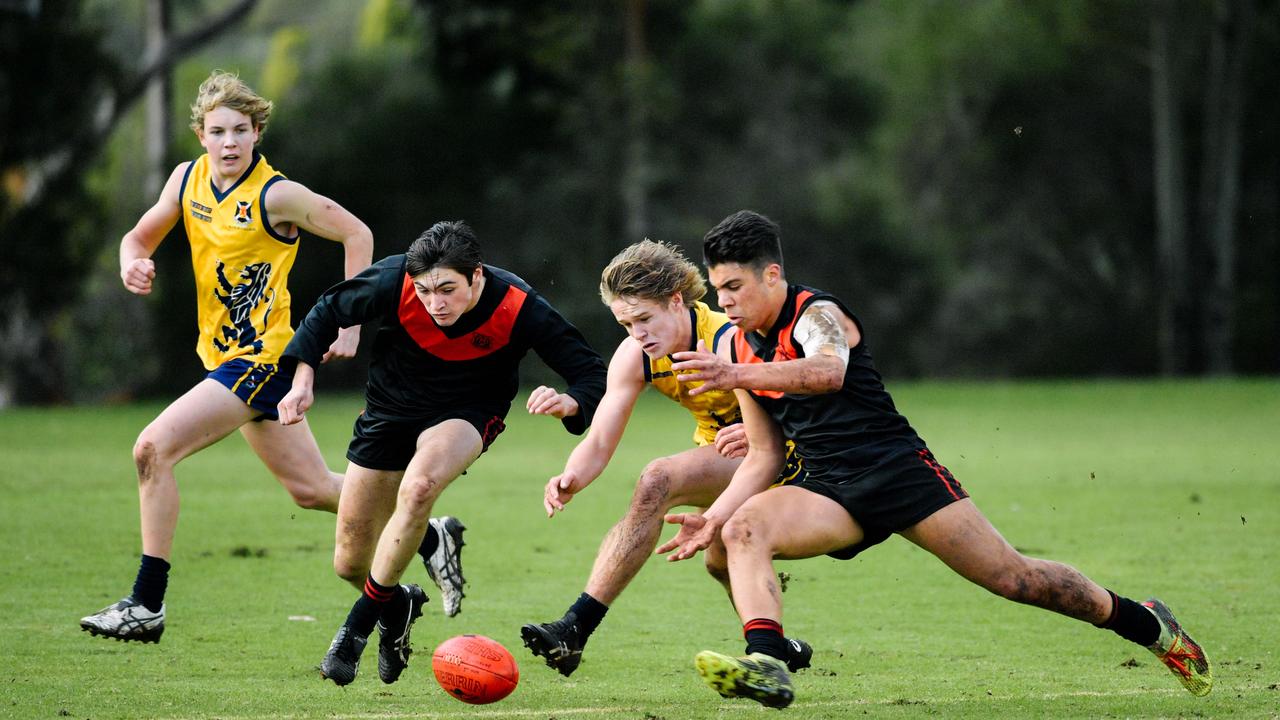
<point x="420" y="369"/>
<point x="839" y="434"/>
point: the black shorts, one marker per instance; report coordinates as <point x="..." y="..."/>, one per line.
<point x="390" y="444"/>
<point x="891" y="497"/>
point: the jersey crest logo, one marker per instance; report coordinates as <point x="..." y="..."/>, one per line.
<point x="241" y="300"/>
<point x="484" y="342"/>
<point x="244" y="213"/>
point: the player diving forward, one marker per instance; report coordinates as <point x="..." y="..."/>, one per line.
<point x="655" y="293"/>
<point x="451" y="334"/>
<point x="802" y="370"/>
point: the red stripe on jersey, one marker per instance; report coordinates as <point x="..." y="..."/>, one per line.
<point x="490" y="337"/>
<point x="783" y="351"/>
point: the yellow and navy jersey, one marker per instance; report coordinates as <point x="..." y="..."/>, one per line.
<point x="241" y="265"/>
<point x="714" y="409"/>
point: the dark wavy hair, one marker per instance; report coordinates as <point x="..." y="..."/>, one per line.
<point x="448" y="243"/>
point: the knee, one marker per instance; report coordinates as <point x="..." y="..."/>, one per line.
<point x="742" y="530"/>
<point x="146" y="456"/>
<point x="653" y="489"/>
<point x="418" y="493"/>
<point x="312" y="490"/>
<point x="1018" y="581"/>
<point x="308" y="497"/>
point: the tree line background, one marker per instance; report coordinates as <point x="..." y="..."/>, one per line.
<point x="998" y="188"/>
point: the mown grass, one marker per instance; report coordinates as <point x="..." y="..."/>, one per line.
<point x="1165" y="488"/>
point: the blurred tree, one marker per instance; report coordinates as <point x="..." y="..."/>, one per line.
<point x="999" y="188"/>
<point x="1230" y="44"/>
<point x="159" y="96"/>
<point x="63" y="97"/>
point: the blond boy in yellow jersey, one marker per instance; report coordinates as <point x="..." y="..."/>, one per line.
<point x="654" y="292"/>
<point x="243" y="221"/>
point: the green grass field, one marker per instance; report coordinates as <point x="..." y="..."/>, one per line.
<point x="1170" y="489"/>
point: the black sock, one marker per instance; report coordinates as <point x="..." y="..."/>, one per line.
<point x="430" y="542"/>
<point x="152" y="581"/>
<point x="375" y="598"/>
<point x="1132" y="621"/>
<point x="589" y="612"/>
<point x="765" y="636"/>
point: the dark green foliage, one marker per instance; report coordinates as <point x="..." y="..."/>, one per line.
<point x="975" y="179"/>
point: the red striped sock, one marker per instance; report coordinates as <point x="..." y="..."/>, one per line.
<point x="377" y="592"/>
<point x="761" y="624"/>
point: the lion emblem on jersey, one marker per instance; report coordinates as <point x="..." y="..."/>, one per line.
<point x="244" y="213"/>
<point x="241" y="300"/>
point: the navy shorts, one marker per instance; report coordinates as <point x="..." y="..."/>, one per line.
<point x="390" y="444"/>
<point x="891" y="497"/>
<point x="261" y="387"/>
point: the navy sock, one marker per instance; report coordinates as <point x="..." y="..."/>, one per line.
<point x="1132" y="621"/>
<point x="765" y="636"/>
<point x="152" y="581"/>
<point x="373" y="601"/>
<point x="589" y="612"/>
<point x="430" y="542"/>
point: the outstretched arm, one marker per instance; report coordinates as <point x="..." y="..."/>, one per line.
<point x="288" y="202"/>
<point x="367" y="296"/>
<point x="564" y="350"/>
<point x="592" y="455"/>
<point x="765" y="456"/>
<point x="825" y="333"/>
<point x="137" y="269"/>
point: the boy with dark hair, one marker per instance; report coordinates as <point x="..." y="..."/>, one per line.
<point x="801" y="369"/>
<point x="654" y="292"/>
<point x="451" y="332"/>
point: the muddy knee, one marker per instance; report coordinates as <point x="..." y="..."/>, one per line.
<point x="1018" y="582"/>
<point x="146" y="457"/>
<point x="653" y="489"/>
<point x="742" y="531"/>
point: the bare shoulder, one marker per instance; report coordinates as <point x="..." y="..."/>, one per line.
<point x="173" y="186"/>
<point x="285" y="193"/>
<point x="627" y="362"/>
<point x="829" y="323"/>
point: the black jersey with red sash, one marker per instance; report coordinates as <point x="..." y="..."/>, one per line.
<point x="420" y="369"/>
<point x="839" y="435"/>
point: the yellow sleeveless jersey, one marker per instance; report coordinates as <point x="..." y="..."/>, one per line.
<point x="241" y="265"/>
<point x="714" y="409"/>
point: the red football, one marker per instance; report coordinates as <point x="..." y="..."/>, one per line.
<point x="475" y="669"/>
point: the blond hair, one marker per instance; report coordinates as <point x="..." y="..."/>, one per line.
<point x="224" y="89"/>
<point x="652" y="271"/>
